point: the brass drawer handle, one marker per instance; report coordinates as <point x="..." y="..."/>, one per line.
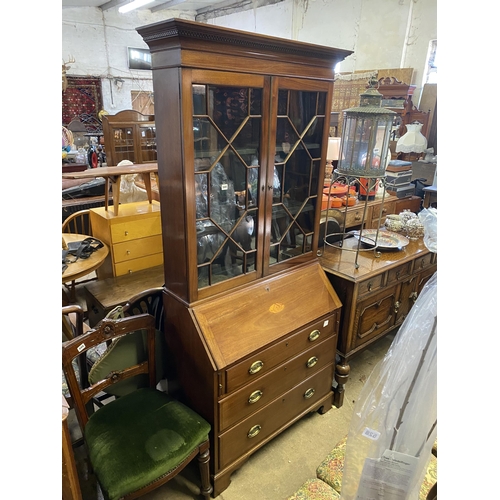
<point x="254" y="397"/>
<point x="257" y="366"/>
<point x="254" y="431"/>
<point x="314" y="335"/>
<point x="126" y="233"/>
<point x="357" y="216"/>
<point x="370" y="286"/>
<point x="309" y="393"/>
<point x="128" y="252"/>
<point x="413" y="296"/>
<point x="396" y="306"/>
<point x="312" y="361"/>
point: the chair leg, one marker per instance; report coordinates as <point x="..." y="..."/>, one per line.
<point x="204" y="465"/>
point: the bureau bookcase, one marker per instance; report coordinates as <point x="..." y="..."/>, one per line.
<point x="252" y="320"/>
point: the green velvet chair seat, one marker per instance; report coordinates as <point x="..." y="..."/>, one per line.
<point x="116" y="434"/>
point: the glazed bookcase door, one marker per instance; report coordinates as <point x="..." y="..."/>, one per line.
<point x="228" y="130"/>
<point x="147" y="142"/>
<point x="299" y="131"/>
<point x="124" y="144"/>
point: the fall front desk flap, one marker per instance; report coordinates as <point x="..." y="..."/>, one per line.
<point x="239" y="323"/>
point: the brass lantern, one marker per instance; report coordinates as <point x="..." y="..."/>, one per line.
<point x="366" y="131"/>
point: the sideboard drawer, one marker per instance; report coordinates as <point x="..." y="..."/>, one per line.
<point x="354" y="217"/>
<point x="137" y="248"/>
<point x="130" y="266"/>
<point x="370" y="285"/>
<point x="399" y="273"/>
<point x="423" y="262"/>
<point x="256" y="366"/>
<point x="132" y="230"/>
<point x="253" y="396"/>
<point x="259" y="426"/>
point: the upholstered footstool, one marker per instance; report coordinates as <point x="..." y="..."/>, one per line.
<point x="331" y="469"/>
<point x="315" y="489"/>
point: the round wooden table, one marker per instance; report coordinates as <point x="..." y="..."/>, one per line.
<point x="82" y="267"/>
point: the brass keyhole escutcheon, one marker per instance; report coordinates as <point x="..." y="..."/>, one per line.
<point x="255" y="367"/>
<point x="254" y="397"/>
<point x="314" y="335"/>
<point x="309" y="393"/>
<point x="312" y="361"/>
<point x="254" y="431"/>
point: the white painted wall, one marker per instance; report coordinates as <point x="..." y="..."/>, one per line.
<point x="382" y="33"/>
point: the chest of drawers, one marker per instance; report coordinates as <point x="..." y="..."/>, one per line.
<point x="255" y="360"/>
<point x="376" y="297"/>
<point x="133" y="236"/>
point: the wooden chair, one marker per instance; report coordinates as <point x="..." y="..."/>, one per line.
<point x="113" y="356"/>
<point x="139" y="441"/>
<point x="77" y="223"/>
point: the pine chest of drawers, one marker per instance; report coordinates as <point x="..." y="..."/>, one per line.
<point x="133" y="236"/>
<point x="255" y="360"/>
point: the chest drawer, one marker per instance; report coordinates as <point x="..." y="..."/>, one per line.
<point x="261" y="425"/>
<point x="131" y="230"/>
<point x="130" y="266"/>
<point x="399" y="273"/>
<point x="262" y="391"/>
<point x="266" y="359"/>
<point x="137" y="248"/>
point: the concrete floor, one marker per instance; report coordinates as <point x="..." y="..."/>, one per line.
<point x="279" y="468"/>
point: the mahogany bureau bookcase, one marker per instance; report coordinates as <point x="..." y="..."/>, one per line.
<point x="242" y="125"/>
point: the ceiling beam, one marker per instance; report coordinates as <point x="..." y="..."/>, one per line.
<point x="166" y="5"/>
<point x="113" y="3"/>
<point x="229" y="6"/>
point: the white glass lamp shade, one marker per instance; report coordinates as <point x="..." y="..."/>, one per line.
<point x="413" y="141"/>
<point x="332" y="153"/>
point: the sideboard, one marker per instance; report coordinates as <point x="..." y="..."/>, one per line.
<point x="376" y="296"/>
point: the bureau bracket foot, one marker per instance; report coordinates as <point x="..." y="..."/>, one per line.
<point x="341" y="376"/>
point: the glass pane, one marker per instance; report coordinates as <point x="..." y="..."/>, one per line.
<point x="299" y="133"/>
<point x="148" y="143"/>
<point x="227" y="128"/>
<point x="124" y="144"/>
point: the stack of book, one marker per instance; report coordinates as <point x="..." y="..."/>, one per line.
<point x="398" y="178"/>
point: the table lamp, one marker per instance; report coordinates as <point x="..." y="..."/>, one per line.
<point x="332" y="156"/>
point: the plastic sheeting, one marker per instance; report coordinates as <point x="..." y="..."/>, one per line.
<point x="394" y="423"/>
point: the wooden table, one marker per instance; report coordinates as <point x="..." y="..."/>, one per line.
<point x="82" y="267"/>
<point x="376" y="297"/>
<point x="113" y="175"/>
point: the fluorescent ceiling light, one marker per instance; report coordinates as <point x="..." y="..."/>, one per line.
<point x="135" y="4"/>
